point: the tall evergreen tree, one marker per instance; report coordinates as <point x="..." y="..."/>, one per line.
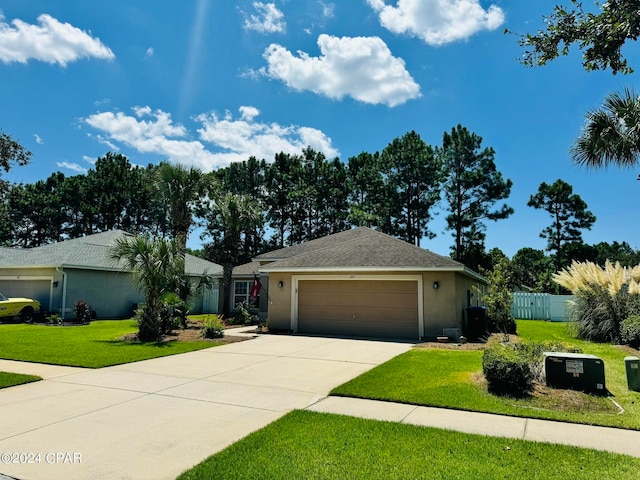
<point x="472" y="187"/>
<point x="366" y="190"/>
<point x="37" y="211"/>
<point x="281" y="181"/>
<point x="247" y="178"/>
<point x="569" y="213"/>
<point x="11" y="154"/>
<point x="413" y="178"/>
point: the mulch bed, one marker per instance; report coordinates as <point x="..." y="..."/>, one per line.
<point x="496" y="337"/>
<point x="192" y="333"/>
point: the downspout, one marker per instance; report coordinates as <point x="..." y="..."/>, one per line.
<point x="64" y="292"/>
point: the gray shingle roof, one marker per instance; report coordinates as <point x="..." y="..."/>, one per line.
<point x="311" y="245"/>
<point x="91" y="252"/>
<point x="246" y="269"/>
<point x="358" y="249"/>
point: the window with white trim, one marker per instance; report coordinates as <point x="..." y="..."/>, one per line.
<point x="241" y="291"/>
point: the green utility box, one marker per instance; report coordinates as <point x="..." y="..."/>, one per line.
<point x="632" y="365"/>
<point x="575" y="371"/>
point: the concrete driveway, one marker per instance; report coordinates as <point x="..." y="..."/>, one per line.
<point x="156" y="418"/>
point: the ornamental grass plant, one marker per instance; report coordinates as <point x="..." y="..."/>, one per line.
<point x="604" y="297"/>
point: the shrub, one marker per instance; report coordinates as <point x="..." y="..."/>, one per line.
<point x="533" y="352"/>
<point x="177" y="310"/>
<point x="213" y="327"/>
<point x="82" y="312"/>
<point x="244" y="316"/>
<point x="604" y="297"/>
<point x="512" y="368"/>
<point x="506" y="371"/>
<point x="630" y="331"/>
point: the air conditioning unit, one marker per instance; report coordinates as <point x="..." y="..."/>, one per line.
<point x="452" y="333"/>
<point x="575" y="371"/>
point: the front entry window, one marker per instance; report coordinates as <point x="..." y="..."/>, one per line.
<point x="241" y="294"/>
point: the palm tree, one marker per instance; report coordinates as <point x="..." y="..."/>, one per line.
<point x="228" y="218"/>
<point x="157" y="265"/>
<point x="180" y="187"/>
<point x="611" y="134"/>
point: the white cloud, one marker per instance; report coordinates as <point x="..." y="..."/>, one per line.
<point x="72" y="166"/>
<point x="149" y="53"/>
<point x="245" y="137"/>
<point x="153" y="131"/>
<point x="50" y="41"/>
<point x="105" y="141"/>
<point x="38" y="138"/>
<point x="328" y="9"/>
<point x="89" y="159"/>
<point x="438" y="22"/>
<point x="360" y="67"/>
<point x="267" y="19"/>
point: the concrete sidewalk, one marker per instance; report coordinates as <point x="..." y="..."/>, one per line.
<point x="614" y="440"/>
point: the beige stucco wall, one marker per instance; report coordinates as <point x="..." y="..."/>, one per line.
<point x="439" y="304"/>
<point x="279" y="308"/>
<point x="443" y="307"/>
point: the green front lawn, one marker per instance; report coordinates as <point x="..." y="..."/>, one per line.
<point x="95" y="345"/>
<point x="321" y="446"/>
<point x="11" y="379"/>
<point x="453" y="379"/>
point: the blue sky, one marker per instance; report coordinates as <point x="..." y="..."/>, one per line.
<point x="208" y="82"/>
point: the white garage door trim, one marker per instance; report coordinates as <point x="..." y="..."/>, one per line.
<point x="403" y="278"/>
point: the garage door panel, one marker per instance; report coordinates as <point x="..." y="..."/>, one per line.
<point x="36" y="289"/>
<point x="379" y="308"/>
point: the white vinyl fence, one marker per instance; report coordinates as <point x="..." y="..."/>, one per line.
<point x="541" y="306"/>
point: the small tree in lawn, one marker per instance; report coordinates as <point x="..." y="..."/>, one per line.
<point x="498" y="299"/>
<point x="156" y="265"/>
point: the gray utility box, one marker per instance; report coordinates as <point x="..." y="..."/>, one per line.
<point x="452" y="333"/>
<point x="575" y="371"/>
<point x="632" y="365"/>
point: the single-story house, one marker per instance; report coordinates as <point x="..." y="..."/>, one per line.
<point x="60" y="274"/>
<point x="361" y="282"/>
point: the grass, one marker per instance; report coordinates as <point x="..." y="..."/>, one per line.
<point x="94" y="346"/>
<point x="453" y="379"/>
<point x="322" y="446"/>
<point x="12" y="379"/>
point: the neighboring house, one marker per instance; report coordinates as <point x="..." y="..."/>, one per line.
<point x="361" y="282"/>
<point x="59" y="274"/>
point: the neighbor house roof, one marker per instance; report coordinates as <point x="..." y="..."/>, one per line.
<point x="90" y="252"/>
<point x="359" y="249"/>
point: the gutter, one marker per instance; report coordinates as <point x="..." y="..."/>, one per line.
<point x="458" y="269"/>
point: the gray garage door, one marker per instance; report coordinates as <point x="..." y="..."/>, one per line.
<point x="380" y="308"/>
<point x="36" y="289"/>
